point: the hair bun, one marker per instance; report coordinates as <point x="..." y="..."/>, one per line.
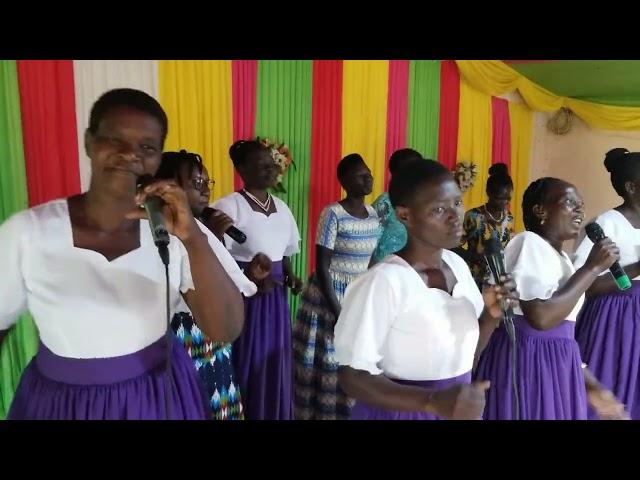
<point x="499" y="169"/>
<point x="233" y="150"/>
<point x="614" y="158"/>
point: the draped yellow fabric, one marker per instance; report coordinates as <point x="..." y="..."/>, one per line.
<point x="521" y="118"/>
<point x="494" y="77"/>
<point x="197" y="98"/>
<point x="364" y="115"/>
<point x="474" y="139"/>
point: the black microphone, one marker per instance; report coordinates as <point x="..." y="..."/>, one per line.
<point x="493" y="256"/>
<point x="232" y="231"/>
<point x="153" y="206"/>
<point x="595" y="234"/>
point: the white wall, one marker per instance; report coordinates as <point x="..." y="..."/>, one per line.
<point x="578" y="158"/>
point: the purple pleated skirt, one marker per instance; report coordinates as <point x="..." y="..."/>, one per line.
<point x="262" y="354"/>
<point x="128" y="387"/>
<point x="608" y="333"/>
<point x="549" y="374"/>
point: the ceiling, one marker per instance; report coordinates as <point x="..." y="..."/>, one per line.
<point x="612" y="82"/>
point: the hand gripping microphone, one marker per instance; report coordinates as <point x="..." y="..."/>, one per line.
<point x="595" y="234"/>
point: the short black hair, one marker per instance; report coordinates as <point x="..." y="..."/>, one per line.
<point x="406" y="182"/>
<point x="127" y="97"/>
<point x="624" y="166"/>
<point x="241" y="150"/>
<point x="348" y="164"/>
<point x="536" y="194"/>
<point x="402" y="156"/>
<point x="498" y="178"/>
<point x="173" y="162"/>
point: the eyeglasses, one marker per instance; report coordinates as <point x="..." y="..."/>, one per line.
<point x="573" y="203"/>
<point x="200" y="183"/>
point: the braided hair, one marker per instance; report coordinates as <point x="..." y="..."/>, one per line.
<point x="536" y="194"/>
<point x="172" y="164"/>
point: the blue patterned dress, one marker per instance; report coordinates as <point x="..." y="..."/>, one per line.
<point x="352" y="240"/>
<point x="213" y="363"/>
<point x="394" y="233"/>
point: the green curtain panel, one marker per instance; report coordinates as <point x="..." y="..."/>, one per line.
<point x="424" y="107"/>
<point x="283" y="114"/>
<point x="22" y="342"/>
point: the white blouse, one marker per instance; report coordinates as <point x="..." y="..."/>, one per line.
<point x="84" y="305"/>
<point x="538" y="269"/>
<point x="617" y="228"/>
<point x="391" y="323"/>
<point x="275" y="235"/>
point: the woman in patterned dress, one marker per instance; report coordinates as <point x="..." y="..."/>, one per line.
<point x="493" y="219"/>
<point x="212" y="359"/>
<point x="347" y="234"/>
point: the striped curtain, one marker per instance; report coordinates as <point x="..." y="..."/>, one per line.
<point x="322" y="109"/>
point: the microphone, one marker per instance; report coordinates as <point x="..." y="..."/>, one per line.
<point x="595" y="234"/>
<point x="153" y="206"/>
<point x="232" y="231"/>
<point x="493" y="256"/>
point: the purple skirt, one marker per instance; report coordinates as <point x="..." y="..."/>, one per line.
<point x="549" y="374"/>
<point x="362" y="411"/>
<point x="129" y="387"/>
<point x="608" y="333"/>
<point x="262" y="355"/>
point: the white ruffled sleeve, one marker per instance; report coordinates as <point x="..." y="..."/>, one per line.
<point x="14" y="238"/>
<point x="534" y="265"/>
<point x="368" y="312"/>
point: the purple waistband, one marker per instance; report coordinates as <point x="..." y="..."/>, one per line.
<point x="100" y="371"/>
<point x="276" y="269"/>
<point x="437" y="384"/>
<point x="566" y="329"/>
<point x="630" y="292"/>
